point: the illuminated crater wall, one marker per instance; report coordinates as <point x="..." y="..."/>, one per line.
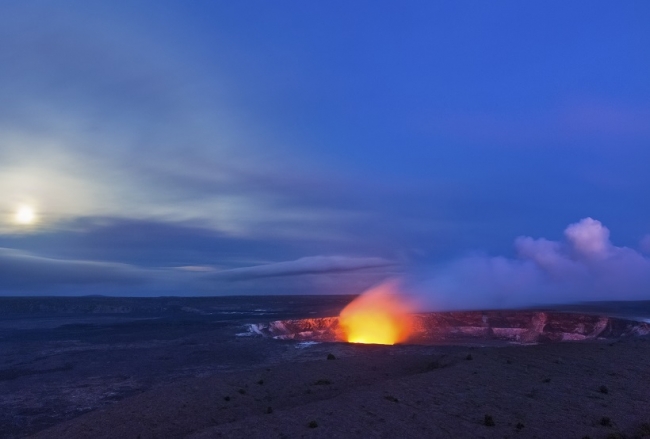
<point x="473" y="326"/>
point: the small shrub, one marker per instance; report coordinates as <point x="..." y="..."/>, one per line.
<point x="242" y="391"/>
<point x="605" y="421"/>
<point x="519" y="426"/>
<point x="391" y="398"/>
<point x="269" y="410"/>
<point x="323" y="383"/>
<point x="312" y="424"/>
<point x="226" y="398"/>
<point x="331" y="357"/>
<point x="260" y="382"/>
<point x="469" y="357"/>
<point x="433" y="365"/>
<point x="603" y="389"/>
<point x="546" y="380"/>
<point x="488" y="421"/>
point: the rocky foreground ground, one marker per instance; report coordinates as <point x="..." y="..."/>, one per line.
<point x="592" y="389"/>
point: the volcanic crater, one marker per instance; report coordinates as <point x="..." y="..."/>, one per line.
<point x="476" y="327"/>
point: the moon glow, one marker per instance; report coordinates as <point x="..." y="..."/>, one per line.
<point x="25" y="215"/>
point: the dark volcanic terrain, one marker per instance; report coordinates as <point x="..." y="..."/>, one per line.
<point x="64" y="356"/>
<point x="170" y="368"/>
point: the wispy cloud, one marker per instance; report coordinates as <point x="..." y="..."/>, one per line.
<point x="96" y="122"/>
<point x="20" y="271"/>
<point x="302" y="266"/>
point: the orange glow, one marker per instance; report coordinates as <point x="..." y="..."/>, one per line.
<point x="378" y="316"/>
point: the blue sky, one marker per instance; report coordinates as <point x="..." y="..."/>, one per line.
<point x="174" y="141"/>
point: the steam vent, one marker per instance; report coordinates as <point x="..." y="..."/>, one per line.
<point x="471" y="327"/>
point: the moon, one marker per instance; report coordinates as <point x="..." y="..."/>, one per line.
<point x="25" y="215"/>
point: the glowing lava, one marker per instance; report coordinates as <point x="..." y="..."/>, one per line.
<point x="378" y="316"/>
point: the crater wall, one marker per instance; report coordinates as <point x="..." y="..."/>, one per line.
<point x="450" y="327"/>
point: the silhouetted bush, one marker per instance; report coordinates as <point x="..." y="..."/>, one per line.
<point x="603" y="389"/>
<point x="434" y="365"/>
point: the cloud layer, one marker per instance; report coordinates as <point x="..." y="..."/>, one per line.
<point x="586" y="266"/>
<point x="217" y="136"/>
<point x="20" y="271"/>
<point x="307" y="265"/>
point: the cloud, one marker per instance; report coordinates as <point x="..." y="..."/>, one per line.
<point x="302" y="266"/>
<point x="586" y="266"/>
<point x="645" y="244"/>
<point x="105" y="118"/>
<point x="182" y="259"/>
<point x="86" y="119"/>
<point x="23" y="271"/>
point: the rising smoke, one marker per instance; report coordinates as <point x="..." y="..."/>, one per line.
<point x="585" y="266"/>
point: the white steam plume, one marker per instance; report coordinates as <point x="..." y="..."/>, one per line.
<point x="584" y="267"/>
